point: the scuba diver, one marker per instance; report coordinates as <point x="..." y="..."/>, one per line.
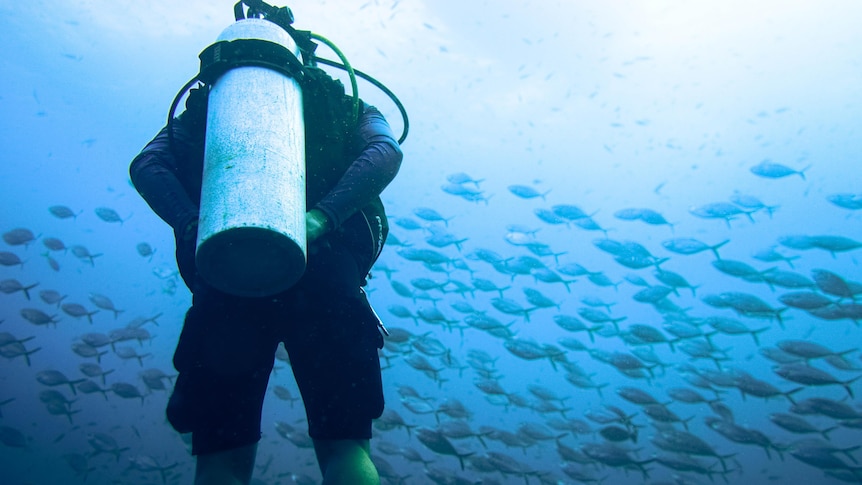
<point x="229" y="339"/>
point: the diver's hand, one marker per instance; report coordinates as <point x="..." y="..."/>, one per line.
<point x="190" y="232"/>
<point x="316" y="225"/>
<point x="187" y="237"/>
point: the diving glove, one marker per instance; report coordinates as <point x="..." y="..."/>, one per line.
<point x="316" y="225"/>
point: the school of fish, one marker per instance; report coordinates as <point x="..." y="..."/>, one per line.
<point x="519" y="360"/>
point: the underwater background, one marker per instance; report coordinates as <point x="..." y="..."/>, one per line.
<point x="604" y="206"/>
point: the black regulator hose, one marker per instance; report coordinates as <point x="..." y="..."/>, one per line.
<point x="177" y="98"/>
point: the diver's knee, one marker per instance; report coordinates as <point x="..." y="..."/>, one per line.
<point x="341" y="451"/>
<point x="346" y="462"/>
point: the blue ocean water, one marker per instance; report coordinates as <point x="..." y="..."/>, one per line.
<point x="669" y="106"/>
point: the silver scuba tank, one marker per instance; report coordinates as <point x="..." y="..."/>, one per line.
<point x="251" y="233"/>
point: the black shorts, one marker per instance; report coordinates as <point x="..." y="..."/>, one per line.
<point x="227" y="349"/>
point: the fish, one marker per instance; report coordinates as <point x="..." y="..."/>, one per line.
<point x="463" y="178"/>
<point x="601" y="279"/>
<point x="832" y="283"/>
<point x="751" y="202"/>
<point x="11" y="285"/>
<point x="430" y="215"/>
<point x="683" y="442"/>
<point x="548" y="216"/>
<point x="818" y="454"/>
<point x="454" y="408"/>
<point x="636" y="395"/>
<point x="104" y="303"/>
<point x="433" y="315"/>
<point x="546" y="275"/>
<point x="573" y="324"/>
<point x="835" y="244"/>
<point x="94" y="370"/>
<point x="787" y="279"/>
<point x="53" y="377"/>
<point x="769" y="169"/>
<point x="145" y="250"/>
<point x="729" y="326"/>
<point x="649" y="335"/>
<point x="752" y="386"/>
<point x="826" y="407"/>
<point x="467" y="193"/>
<point x="741" y="434"/>
<point x="674" y="280"/>
<point x="618" y="434"/>
<point x="539" y="300"/>
<point x="408" y="223"/>
<point x="597" y="316"/>
<point x="54" y="244"/>
<point x="390" y="419"/>
<point x="611" y="454"/>
<point x="528" y="349"/>
<point x="689" y="246"/>
<point x="846" y="200"/>
<point x="77" y="310"/>
<point x="589" y="224"/>
<point x="148" y="464"/>
<point x="127" y="391"/>
<point x="745" y="304"/>
<point x="809" y="350"/>
<point x="79" y="463"/>
<point x="720" y="210"/>
<point x="797" y="241"/>
<point x="105" y="443"/>
<point x="435" y="441"/>
<point x="661" y="414"/>
<point x="798" y="425"/>
<point x="526" y="192"/>
<point x="628" y="214"/>
<point x="811" y="376"/>
<point x="770" y="255"/>
<point x="10" y="259"/>
<point x="20" y="236"/>
<point x="850" y="311"/>
<point x="12" y="437"/>
<point x="459" y="429"/>
<point x="740" y="269"/>
<point x="84" y="254"/>
<point x="429" y="256"/>
<point x="688" y="396"/>
<point x="401" y="311"/>
<point x="574" y="269"/>
<point x="569" y="212"/>
<point x="511" y="307"/>
<point x="652" y="294"/>
<point x="127" y="353"/>
<point x="109" y="215"/>
<point x="648" y="216"/>
<point x="37" y="317"/>
<point x="63" y="212"/>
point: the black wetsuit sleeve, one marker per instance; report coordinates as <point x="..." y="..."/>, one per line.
<point x="377" y="164"/>
<point x="155" y="173"/>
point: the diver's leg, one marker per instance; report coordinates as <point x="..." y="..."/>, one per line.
<point x="224" y="358"/>
<point x="333" y="353"/>
<point x="346" y="462"/>
<point x="230" y="467"/>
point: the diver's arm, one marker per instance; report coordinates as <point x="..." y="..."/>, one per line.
<point x="154" y="175"/>
<point x="370" y="172"/>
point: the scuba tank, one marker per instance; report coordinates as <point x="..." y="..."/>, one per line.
<point x="251" y="232"/>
